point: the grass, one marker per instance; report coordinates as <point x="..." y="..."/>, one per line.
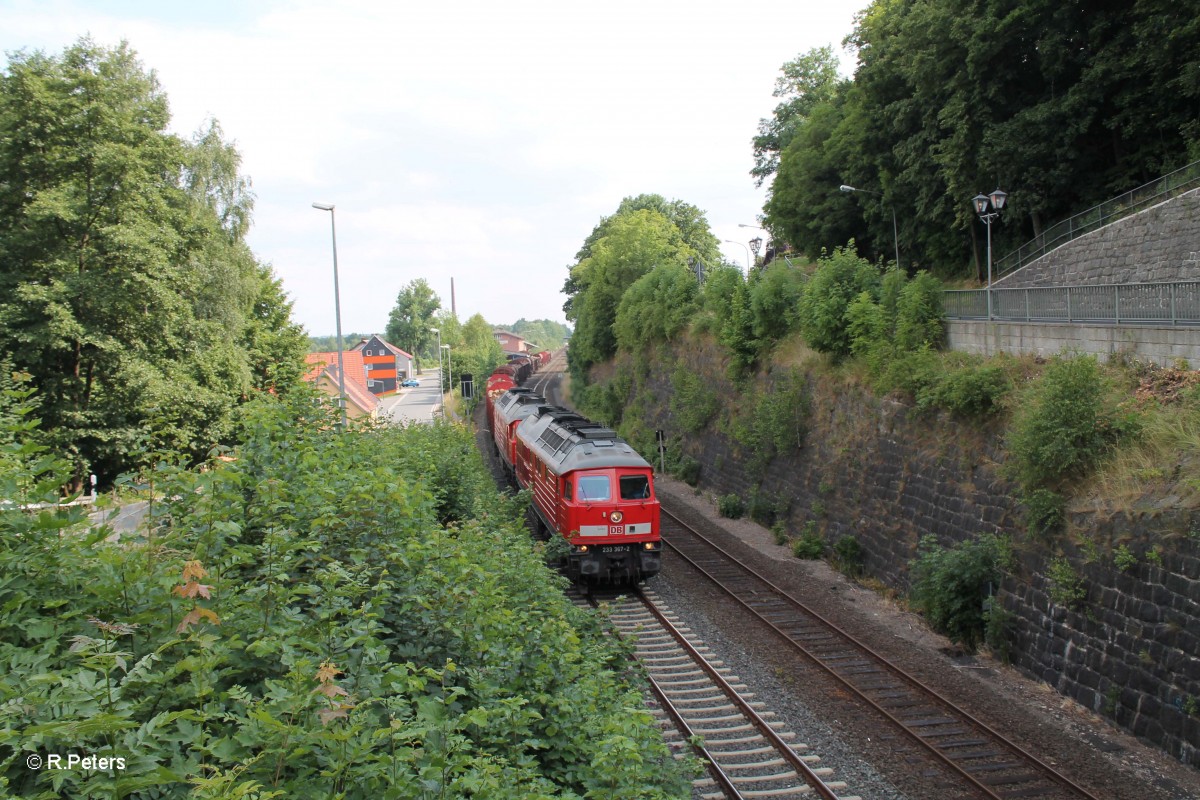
<point x="1164" y="458"/>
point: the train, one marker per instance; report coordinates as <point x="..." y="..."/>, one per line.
<point x="588" y="485"/>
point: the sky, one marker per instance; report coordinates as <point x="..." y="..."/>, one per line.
<point x="479" y="141"/>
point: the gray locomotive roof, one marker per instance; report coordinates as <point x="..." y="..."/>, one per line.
<point x="518" y="403"/>
<point x="568" y="441"/>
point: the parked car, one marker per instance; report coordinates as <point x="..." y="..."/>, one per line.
<point x="411" y="383"/>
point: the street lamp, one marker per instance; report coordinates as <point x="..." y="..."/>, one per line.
<point x="337" y="307"/>
<point x="981" y="202"/>
<point x="747" y="249"/>
<point x="438" y="331"/>
<point x="756" y="245"/>
<point x="895" y="233"/>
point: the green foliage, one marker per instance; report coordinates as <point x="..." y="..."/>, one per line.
<point x="412" y="317"/>
<point x="129" y="292"/>
<point x="840" y="278"/>
<point x="950" y="585"/>
<point x="848" y="556"/>
<point x="1064" y="585"/>
<point x="1064" y="423"/>
<point x="866" y="324"/>
<point x="693" y="403"/>
<point x="773" y="422"/>
<point x="1088" y="123"/>
<point x="999" y="624"/>
<point x="730" y="506"/>
<point x="737" y="332"/>
<point x="810" y="545"/>
<point x="779" y="532"/>
<point x="631" y="245"/>
<point x="328" y="614"/>
<point x="688" y="470"/>
<point x="968" y="389"/>
<point x="765" y="509"/>
<point x="919" y="313"/>
<point x="775" y="302"/>
<point x="1045" y="511"/>
<point x="1124" y="559"/>
<point x="656" y="307"/>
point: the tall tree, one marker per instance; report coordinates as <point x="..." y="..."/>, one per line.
<point x="126" y="289"/>
<point x="808" y="81"/>
<point x="412" y="317"/>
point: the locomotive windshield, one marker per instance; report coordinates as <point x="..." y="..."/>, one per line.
<point x="593" y="488"/>
<point x="635" y="487"/>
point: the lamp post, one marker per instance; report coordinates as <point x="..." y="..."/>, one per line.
<point x="438" y="331"/>
<point x="895" y="233"/>
<point x="337" y="308"/>
<point x="731" y="241"/>
<point x="982" y="202"/>
<point x="755" y="246"/>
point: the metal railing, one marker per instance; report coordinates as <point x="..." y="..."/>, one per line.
<point x="1176" y="303"/>
<point x="1175" y="183"/>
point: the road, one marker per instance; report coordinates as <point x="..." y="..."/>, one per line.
<point x="413" y="405"/>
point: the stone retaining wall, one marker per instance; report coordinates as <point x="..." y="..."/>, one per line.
<point x="876" y="470"/>
<point x="1159" y="244"/>
<point x="1165" y="346"/>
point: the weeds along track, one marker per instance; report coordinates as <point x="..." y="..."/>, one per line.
<point x="988" y="764"/>
<point x="699" y="703"/>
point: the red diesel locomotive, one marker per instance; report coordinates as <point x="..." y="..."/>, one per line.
<point x="588" y="485"/>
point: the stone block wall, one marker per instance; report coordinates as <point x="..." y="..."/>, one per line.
<point x="1159" y="244"/>
<point x="877" y="470"/>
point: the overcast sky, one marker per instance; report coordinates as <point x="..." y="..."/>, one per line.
<point x="476" y="140"/>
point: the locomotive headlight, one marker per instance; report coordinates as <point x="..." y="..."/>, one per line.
<point x="651" y="545"/>
<point x="616" y="516"/>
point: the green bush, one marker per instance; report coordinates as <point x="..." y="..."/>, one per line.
<point x="1124" y="559"/>
<point x="1045" y="511"/>
<point x="693" y="402"/>
<point x="848" y="556"/>
<point x="919" y="313"/>
<point x="999" y="623"/>
<point x="1064" y="585"/>
<point x="1064" y="423"/>
<point x="865" y="324"/>
<point x="334" y="613"/>
<point x="839" y="279"/>
<point x="968" y="390"/>
<point x="810" y="546"/>
<point x="731" y="506"/>
<point x="950" y="585"/>
<point x="688" y="470"/>
<point x="779" y="532"/>
<point x="762" y="508"/>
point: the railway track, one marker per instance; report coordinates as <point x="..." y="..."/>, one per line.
<point x="699" y="703"/>
<point x="982" y="758"/>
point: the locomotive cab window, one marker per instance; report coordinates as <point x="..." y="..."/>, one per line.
<point x="594" y="488"/>
<point x="635" y="487"/>
<point x="566" y="490"/>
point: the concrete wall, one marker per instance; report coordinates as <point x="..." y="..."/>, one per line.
<point x="1155" y="245"/>
<point x="878" y="470"/>
<point x="1164" y="346"/>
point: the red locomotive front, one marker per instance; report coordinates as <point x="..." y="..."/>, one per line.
<point x="590" y="487"/>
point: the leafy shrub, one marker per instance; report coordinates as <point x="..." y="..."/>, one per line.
<point x="810" y="545"/>
<point x="762" y="508"/>
<point x="1124" y="559"/>
<point x="950" y="585"/>
<point x="775" y="302"/>
<point x="848" y="556"/>
<point x="773" y="422"/>
<point x="919" y="313"/>
<point x="1064" y="585"/>
<point x="693" y="402"/>
<point x="839" y="279"/>
<point x="1064" y="423"/>
<point x="865" y="324"/>
<point x="330" y="614"/>
<point x="730" y="506"/>
<point x="967" y="390"/>
<point x="688" y="470"/>
<point x="1045" y="511"/>
<point x="779" y="532"/>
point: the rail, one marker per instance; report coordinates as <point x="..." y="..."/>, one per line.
<point x="1170" y="185"/>
<point x="1176" y="304"/>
